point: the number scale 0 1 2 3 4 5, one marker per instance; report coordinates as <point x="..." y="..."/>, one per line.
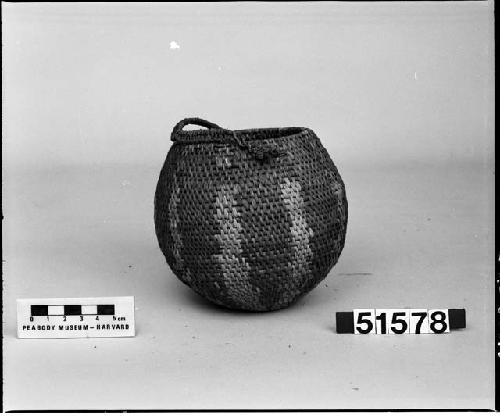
<point x="76" y="317"/>
<point x="400" y="321"/>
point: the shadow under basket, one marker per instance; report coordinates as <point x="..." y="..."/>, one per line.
<point x="249" y="219"/>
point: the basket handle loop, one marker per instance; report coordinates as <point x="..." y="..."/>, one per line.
<point x="258" y="150"/>
<point x="193" y="120"/>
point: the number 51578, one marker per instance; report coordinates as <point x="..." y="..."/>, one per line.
<point x="401" y="321"/>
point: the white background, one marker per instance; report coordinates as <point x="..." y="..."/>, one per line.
<point x="401" y="94"/>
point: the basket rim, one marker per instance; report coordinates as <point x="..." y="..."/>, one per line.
<point x="252" y="134"/>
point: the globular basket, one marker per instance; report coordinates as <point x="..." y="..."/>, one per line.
<point x="249" y="219"/>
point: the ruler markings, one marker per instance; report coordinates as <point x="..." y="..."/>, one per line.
<point x="114" y="317"/>
<point x="72" y="310"/>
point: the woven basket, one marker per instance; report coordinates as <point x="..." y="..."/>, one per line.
<point x="249" y="219"/>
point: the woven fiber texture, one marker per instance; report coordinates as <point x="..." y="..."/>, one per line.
<point x="249" y="219"/>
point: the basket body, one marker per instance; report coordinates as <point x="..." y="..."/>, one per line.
<point x="248" y="232"/>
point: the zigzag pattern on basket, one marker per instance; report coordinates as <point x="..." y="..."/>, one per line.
<point x="174" y="231"/>
<point x="234" y="267"/>
<point x="301" y="232"/>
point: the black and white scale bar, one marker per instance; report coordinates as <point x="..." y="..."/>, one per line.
<point x="71" y="310"/>
<point x="84" y="317"/>
<point x="345" y="320"/>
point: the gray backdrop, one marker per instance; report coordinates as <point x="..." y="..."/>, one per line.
<point x="402" y="96"/>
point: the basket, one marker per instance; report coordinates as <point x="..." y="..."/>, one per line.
<point x="249" y="219"/>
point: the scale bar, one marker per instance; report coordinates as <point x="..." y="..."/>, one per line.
<point x="76" y="317"/>
<point x="71" y="310"/>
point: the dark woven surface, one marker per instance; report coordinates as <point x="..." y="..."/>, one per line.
<point x="250" y="219"/>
